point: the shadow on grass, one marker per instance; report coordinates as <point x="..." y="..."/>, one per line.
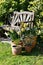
<point x="34" y="52"/>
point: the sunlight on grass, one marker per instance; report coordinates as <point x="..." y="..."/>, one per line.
<point x="6" y="57"/>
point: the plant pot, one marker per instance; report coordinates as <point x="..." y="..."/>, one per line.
<point x="16" y="49"/>
<point x="13" y="44"/>
<point x="28" y="48"/>
<point x="34" y="41"/>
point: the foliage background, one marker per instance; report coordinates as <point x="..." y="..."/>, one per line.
<point x="8" y="6"/>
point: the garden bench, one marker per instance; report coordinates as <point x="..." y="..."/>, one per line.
<point x="18" y="17"/>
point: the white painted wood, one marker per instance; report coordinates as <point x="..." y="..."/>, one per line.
<point x="13" y="21"/>
<point x="31" y="25"/>
<point x="28" y="16"/>
<point x="21" y="17"/>
<point x="30" y="19"/>
<point x="19" y="20"/>
<point x="32" y="16"/>
<point x="16" y="17"/>
<point x="24" y="17"/>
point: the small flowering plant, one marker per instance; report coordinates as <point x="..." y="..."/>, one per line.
<point x="27" y="34"/>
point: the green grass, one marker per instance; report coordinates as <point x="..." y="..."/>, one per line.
<point x="6" y="57"/>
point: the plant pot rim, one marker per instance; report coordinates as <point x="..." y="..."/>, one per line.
<point x="16" y="46"/>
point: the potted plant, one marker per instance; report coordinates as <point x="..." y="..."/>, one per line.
<point x="33" y="37"/>
<point x="27" y="44"/>
<point x="16" y="48"/>
<point x="28" y="37"/>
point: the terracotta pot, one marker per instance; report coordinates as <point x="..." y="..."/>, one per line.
<point x="16" y="49"/>
<point x="28" y="48"/>
<point x="13" y="44"/>
<point x="34" y="41"/>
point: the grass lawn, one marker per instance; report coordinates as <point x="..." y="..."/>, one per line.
<point x="6" y="57"/>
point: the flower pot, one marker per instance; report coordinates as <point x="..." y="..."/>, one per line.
<point x="34" y="41"/>
<point x="28" y="48"/>
<point x="16" y="49"/>
<point x="13" y="44"/>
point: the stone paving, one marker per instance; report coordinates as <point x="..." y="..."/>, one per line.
<point x="5" y="40"/>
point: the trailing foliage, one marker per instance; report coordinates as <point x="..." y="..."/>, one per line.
<point x="14" y="35"/>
